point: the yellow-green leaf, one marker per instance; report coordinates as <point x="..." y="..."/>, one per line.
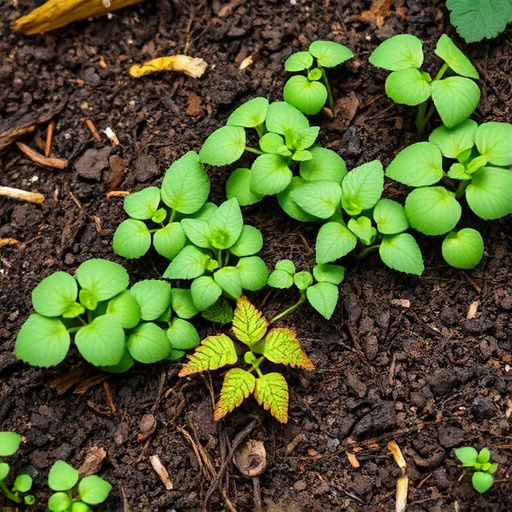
<point x="271" y="392"/>
<point x="238" y="385"/>
<point x="249" y="325"/>
<point x="282" y="346"/>
<point x="214" y="352"/>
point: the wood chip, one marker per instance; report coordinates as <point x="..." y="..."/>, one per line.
<point x="404" y="303"/>
<point x="353" y="460"/>
<point x="293" y="443"/>
<point x="23" y="195"/>
<point x="38" y="158"/>
<point x="161" y="471"/>
<point x="49" y="138"/>
<point x="93" y="130"/>
<point x="191" y="66"/>
<point x="472" y="310"/>
<point x="118" y="193"/>
<point x="93" y="461"/>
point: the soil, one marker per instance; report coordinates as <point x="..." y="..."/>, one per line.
<point x="422" y="361"/>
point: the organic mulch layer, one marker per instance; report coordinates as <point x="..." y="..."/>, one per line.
<point x="421" y="361"/>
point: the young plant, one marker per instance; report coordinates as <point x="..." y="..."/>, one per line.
<point x="310" y="92"/>
<point x="478" y="465"/>
<point x="21" y="484"/>
<point x="455" y="97"/>
<point x="73" y="494"/>
<point x="252" y="338"/>
<point x="319" y="288"/>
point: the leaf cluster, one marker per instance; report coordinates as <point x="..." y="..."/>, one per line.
<point x="478" y="465"/>
<point x="111" y="324"/>
<point x="253" y="343"/>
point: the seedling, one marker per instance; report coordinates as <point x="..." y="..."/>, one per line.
<point x="319" y="288"/>
<point x="252" y="337"/>
<point x="21" y="484"/>
<point x="73" y="494"/>
<point x="478" y="465"/>
<point x="309" y="92"/>
<point x="111" y="325"/>
<point x="455" y="97"/>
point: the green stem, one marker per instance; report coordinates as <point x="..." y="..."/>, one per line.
<point x="173" y="214"/>
<point x="330" y="99"/>
<point x="461" y="189"/>
<point x="441" y="71"/>
<point x="260" y="130"/>
<point x="253" y="150"/>
<point x="423" y="116"/>
<point x="290" y="309"/>
<point x="367" y="250"/>
<point x="8" y="494"/>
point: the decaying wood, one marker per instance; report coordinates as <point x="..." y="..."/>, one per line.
<point x="59" y="13"/>
<point x="38" y="158"/>
<point x="23" y="195"/>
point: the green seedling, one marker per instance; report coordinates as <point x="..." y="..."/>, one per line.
<point x="17" y="491"/>
<point x="455" y="96"/>
<point x="478" y="465"/>
<point x="221" y="259"/>
<point x="155" y="213"/>
<point x="479" y="19"/>
<point x="256" y="343"/>
<point x="111" y="325"/>
<point x="319" y="288"/>
<point x="72" y="493"/>
<point x="310" y="92"/>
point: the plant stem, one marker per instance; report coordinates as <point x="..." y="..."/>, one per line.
<point x="441" y="71"/>
<point x="253" y="150"/>
<point x="260" y="130"/>
<point x="462" y="188"/>
<point x="290" y="309"/>
<point x="330" y="99"/>
<point x="8" y="494"/>
<point x="173" y="214"/>
<point x="367" y="250"/>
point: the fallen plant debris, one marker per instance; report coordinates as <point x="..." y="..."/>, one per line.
<point x="23" y="195"/>
<point x="191" y="66"/>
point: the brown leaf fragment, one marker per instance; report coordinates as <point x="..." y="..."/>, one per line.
<point x="191" y="66"/>
<point x="38" y="158"/>
<point x="161" y="471"/>
<point x="93" y="461"/>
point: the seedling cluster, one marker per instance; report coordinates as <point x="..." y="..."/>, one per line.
<point x="478" y="465"/>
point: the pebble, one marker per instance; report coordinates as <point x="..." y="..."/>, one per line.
<point x="483" y="409"/>
<point x="146" y="168"/>
<point x="477" y="325"/>
<point x="441" y="478"/>
<point x="91" y="164"/>
<point x="450" y="436"/>
<point x="300" y="485"/>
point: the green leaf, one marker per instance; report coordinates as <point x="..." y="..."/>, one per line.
<point x="148" y="343"/>
<point x="198" y="231"/>
<point x="125" y="308"/>
<point x="189" y="263"/>
<point x="159" y="216"/>
<point x="271" y="392"/>
<point x="185" y="187"/>
<point x="250" y="242"/>
<point x="329" y="54"/>
<point x="301" y="139"/>
<point x="398" y="52"/>
<point x="489" y="194"/>
<point x="249" y="325"/>
<point x="169" y="240"/>
<point x="59" y="502"/>
<point x="9" y="444"/>
<point x="363" y="229"/>
<point x="62" y="476"/>
<point x="454" y="141"/>
<point x="4" y="470"/>
<point x="228" y="278"/>
<point x="22" y="483"/>
<point x="221" y="312"/>
<point x="153" y="297"/>
<point x="455" y="98"/>
<point x="205" y="292"/>
<point x="226" y="224"/>
<point x="334" y="241"/>
<point x="417" y="165"/>
<point x="214" y="352"/>
<point x="270" y="174"/>
<point x="457" y="61"/>
<point x="481" y="481"/>
<point x="494" y="142"/>
<point x="329" y="273"/>
<point x="286" y="265"/>
<point x="93" y="489"/>
<point x="303" y="279"/>
<point x="467" y="455"/>
<point x="390" y="217"/>
<point x="101" y="342"/>
<point x="282" y="276"/>
<point x="318" y="198"/>
<point x="237" y="386"/>
<point x="143" y="204"/>
<point x="239" y="186"/>
<point x="307" y="96"/>
<point x="289" y="206"/>
<point x="362" y="187"/>
<point x="479" y="19"/>
<point x="298" y="61"/>
<point x="271" y="143"/>
<point x="401" y="252"/>
<point x="123" y="366"/>
<point x="326" y="165"/>
<point x="56" y="295"/>
<point x="408" y="86"/>
<point x="432" y="210"/>
<point x="463" y="249"/>
<point x="224" y="146"/>
<point x="103" y="278"/>
<point x="132" y="239"/>
<point x="323" y="297"/>
<point x="283" y="117"/>
<point x="182" y="303"/>
<point x="182" y="335"/>
<point x="250" y="114"/>
<point x="458" y="172"/>
<point x="253" y="273"/>
<point x="42" y="341"/>
<point x="282" y="347"/>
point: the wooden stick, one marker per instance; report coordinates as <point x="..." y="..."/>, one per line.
<point x="92" y="129"/>
<point x="16" y="193"/>
<point x="49" y="137"/>
<point x="36" y="157"/>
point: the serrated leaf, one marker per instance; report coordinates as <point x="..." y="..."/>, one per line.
<point x="401" y="252"/>
<point x="239" y="185"/>
<point x="323" y="297"/>
<point x="362" y="187"/>
<point x="249" y="325"/>
<point x="298" y="61"/>
<point x="205" y="292"/>
<point x="282" y="347"/>
<point x="214" y="352"/>
<point x="457" y="61"/>
<point x="454" y="141"/>
<point x="390" y="217"/>
<point x="132" y="239"/>
<point x="325" y="165"/>
<point x="169" y="240"/>
<point x="463" y="249"/>
<point x="253" y="272"/>
<point x="306" y="95"/>
<point x="398" y="52"/>
<point x="142" y="204"/>
<point x="271" y="392"/>
<point x="237" y="386"/>
<point x="329" y="53"/>
<point x="408" y="86"/>
<point x="224" y="146"/>
<point x="494" y="142"/>
<point x="270" y="174"/>
<point x="250" y="114"/>
<point x="334" y="241"/>
<point x="455" y="98"/>
<point x="318" y="198"/>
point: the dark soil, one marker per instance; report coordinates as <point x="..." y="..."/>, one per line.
<point x="404" y="359"/>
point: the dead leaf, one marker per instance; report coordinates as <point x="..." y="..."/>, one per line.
<point x="191" y="66"/>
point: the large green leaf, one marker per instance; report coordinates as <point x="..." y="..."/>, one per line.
<point x="198" y="231"/>
<point x="189" y="263"/>
<point x="169" y="240"/>
<point x="153" y="297"/>
<point x="237" y="386"/>
<point x="103" y="278"/>
<point x="148" y="343"/>
<point x="271" y="392"/>
<point x="390" y="217"/>
<point x="253" y="273"/>
<point x="454" y="141"/>
<point x="398" y="52"/>
<point x="306" y="95"/>
<point x="142" y="204"/>
<point x="125" y="308"/>
<point x="298" y="61"/>
<point x="132" y="239"/>
<point x="239" y="186"/>
<point x="226" y="224"/>
<point x="282" y="117"/>
<point x="250" y="114"/>
<point x="326" y="165"/>
<point x="329" y="53"/>
<point x="250" y="242"/>
<point x="329" y="273"/>
<point x="9" y="444"/>
<point x="224" y="146"/>
<point x="228" y="278"/>
<point x="62" y="476"/>
<point x="182" y="335"/>
<point x="362" y="187"/>
<point x="409" y="86"/>
<point x="270" y="174"/>
<point x="318" y="198"/>
<point x="457" y="61"/>
<point x="463" y="249"/>
<point x="56" y="295"/>
<point x="494" y="142"/>
<point x="482" y="481"/>
<point x="282" y="347"/>
<point x="289" y="206"/>
<point x="334" y="241"/>
<point x="93" y="490"/>
<point x="205" y="292"/>
<point x="401" y="252"/>
<point x="323" y="297"/>
<point x="182" y="303"/>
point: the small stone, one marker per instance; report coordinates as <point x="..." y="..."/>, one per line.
<point x="441" y="478"/>
<point x="146" y="168"/>
<point x="251" y="459"/>
<point x="442" y="381"/>
<point x="91" y="164"/>
<point x="477" y="325"/>
<point x="483" y="409"/>
<point x="300" y="485"/>
<point x="450" y="436"/>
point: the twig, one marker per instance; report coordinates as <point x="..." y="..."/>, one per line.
<point x="16" y="193"/>
<point x="49" y="138"/>
<point x="92" y="129"/>
<point x="36" y="157"/>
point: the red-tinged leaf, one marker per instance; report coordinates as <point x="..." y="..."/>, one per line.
<point x="237" y="386"/>
<point x="214" y="352"/>
<point x="249" y="325"/>
<point x="282" y="346"/>
<point x="271" y="392"/>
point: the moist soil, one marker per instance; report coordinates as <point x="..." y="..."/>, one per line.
<point x="421" y="361"/>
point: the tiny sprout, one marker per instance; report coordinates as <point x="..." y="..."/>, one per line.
<point x="478" y="465"/>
